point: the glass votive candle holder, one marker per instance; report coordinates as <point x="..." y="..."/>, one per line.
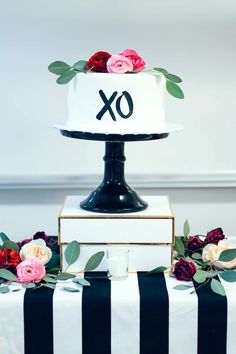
<point x="117" y="263"/>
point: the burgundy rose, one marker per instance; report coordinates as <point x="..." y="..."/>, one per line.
<point x="214" y="236"/>
<point x="194" y="243"/>
<point x="98" y="62"/>
<point x="9" y="259"/>
<point x="41" y="234"/>
<point x="22" y="243"/>
<point x="184" y="270"/>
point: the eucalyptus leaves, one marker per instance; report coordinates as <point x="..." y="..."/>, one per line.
<point x="205" y="259"/>
<point x="172" y="82"/>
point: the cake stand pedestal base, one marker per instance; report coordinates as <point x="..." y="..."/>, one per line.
<point x="114" y="195"/>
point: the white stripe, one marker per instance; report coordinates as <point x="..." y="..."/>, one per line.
<point x="125" y="302"/>
<point x="183" y="318"/>
<point x="67" y="321"/>
<point x="230" y="289"/>
<point x="12" y="322"/>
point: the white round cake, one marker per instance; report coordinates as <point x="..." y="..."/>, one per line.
<point x="111" y="103"/>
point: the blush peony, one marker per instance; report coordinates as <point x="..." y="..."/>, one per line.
<point x="137" y="61"/>
<point x="36" y="249"/>
<point x="211" y="253"/>
<point x="118" y="64"/>
<point x="30" y="270"/>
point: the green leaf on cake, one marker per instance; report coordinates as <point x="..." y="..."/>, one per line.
<point x="174" y="89"/>
<point x="66" y="77"/>
<point x="228" y="255"/>
<point x="72" y="252"/>
<point x="161" y="70"/>
<point x="173" y="78"/>
<point x="6" y="274"/>
<point x="94" y="261"/>
<point x="71" y="290"/>
<point x="11" y="245"/>
<point x="4" y="237"/>
<point x="229" y="275"/>
<point x="179" y="246"/>
<point x="59" y="67"/>
<point x="29" y="285"/>
<point x="217" y="287"/>
<point x="80" y="65"/>
<point x="186" y="228"/>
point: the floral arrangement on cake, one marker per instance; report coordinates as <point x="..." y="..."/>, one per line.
<point x="129" y="61"/>
<point x="35" y="262"/>
<point x="202" y="259"/>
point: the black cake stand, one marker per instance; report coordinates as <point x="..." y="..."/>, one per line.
<point x="113" y="195"/>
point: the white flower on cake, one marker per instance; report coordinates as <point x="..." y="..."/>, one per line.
<point x="36" y="249"/>
<point x="212" y="252"/>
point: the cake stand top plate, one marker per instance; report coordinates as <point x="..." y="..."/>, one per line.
<point x="112" y="137"/>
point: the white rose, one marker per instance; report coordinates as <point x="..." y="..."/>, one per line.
<point x="36" y="249"/>
<point x="211" y="252"/>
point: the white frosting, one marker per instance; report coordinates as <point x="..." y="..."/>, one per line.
<point x="145" y="89"/>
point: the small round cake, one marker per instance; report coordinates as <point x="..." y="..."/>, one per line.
<point x="110" y="103"/>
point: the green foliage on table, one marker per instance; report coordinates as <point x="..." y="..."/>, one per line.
<point x="217" y="287"/>
<point x="72" y="252"/>
<point x="228" y="255"/>
<point x="228" y="275"/>
<point x="160" y="269"/>
<point x="182" y="287"/>
<point x="4" y="289"/>
<point x="94" y="261"/>
<point x="11" y="245"/>
<point x="4" y="237"/>
<point x="6" y="274"/>
<point x="81" y="281"/>
<point x="179" y="246"/>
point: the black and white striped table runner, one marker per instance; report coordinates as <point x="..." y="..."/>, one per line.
<point x="141" y="315"/>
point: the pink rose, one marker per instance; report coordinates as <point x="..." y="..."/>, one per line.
<point x="30" y="270"/>
<point x="119" y="64"/>
<point x="137" y="61"/>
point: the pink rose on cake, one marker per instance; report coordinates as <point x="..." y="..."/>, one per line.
<point x="118" y="64"/>
<point x="36" y="249"/>
<point x="137" y="61"/>
<point x="30" y="270"/>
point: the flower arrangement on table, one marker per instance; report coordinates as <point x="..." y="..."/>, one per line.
<point x="128" y="62"/>
<point x="202" y="259"/>
<point x="35" y="263"/>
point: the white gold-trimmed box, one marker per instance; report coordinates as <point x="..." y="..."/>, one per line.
<point x="155" y="225"/>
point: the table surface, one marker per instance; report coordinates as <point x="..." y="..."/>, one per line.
<point x="140" y="315"/>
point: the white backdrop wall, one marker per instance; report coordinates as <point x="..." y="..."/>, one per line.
<point x="193" y="39"/>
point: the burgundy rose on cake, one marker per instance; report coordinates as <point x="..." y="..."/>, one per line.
<point x="126" y="62"/>
<point x="202" y="260"/>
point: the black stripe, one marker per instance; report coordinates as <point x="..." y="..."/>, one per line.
<point x="154" y="314"/>
<point x="38" y="321"/>
<point x="96" y="315"/>
<point x="212" y="321"/>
